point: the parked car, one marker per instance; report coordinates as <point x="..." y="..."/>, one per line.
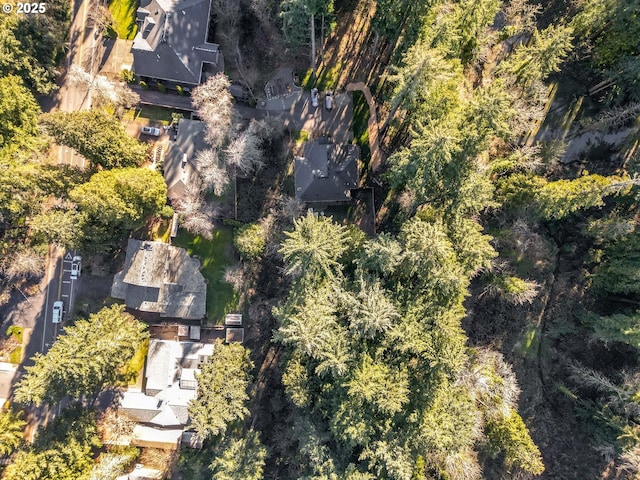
<point x="314" y="97"/>
<point x="153" y="131"/>
<point x="328" y="100"/>
<point x="58" y="308"/>
<point x="76" y="267"/>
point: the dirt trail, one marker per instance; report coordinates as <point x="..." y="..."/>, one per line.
<point x="372" y="126"/>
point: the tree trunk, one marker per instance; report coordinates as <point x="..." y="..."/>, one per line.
<point x="312" y="26"/>
<point x="390" y="117"/>
<point x="322" y="40"/>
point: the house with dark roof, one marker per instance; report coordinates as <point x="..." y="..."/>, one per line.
<point x="179" y="162"/>
<point x="327" y="173"/>
<point x="160" y="408"/>
<point x="163" y="279"/>
<point x="171" y="44"/>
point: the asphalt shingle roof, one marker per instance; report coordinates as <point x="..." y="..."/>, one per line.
<point x="327" y="173"/>
<point x="189" y="141"/>
<point x="163" y="403"/>
<point x="161" y="278"/>
<point x="171" y="41"/>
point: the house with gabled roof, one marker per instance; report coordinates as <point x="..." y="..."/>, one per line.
<point x="160" y="408"/>
<point x="179" y="166"/>
<point x="171" y="44"/>
<point x="163" y="279"/>
<point x="327" y="173"/>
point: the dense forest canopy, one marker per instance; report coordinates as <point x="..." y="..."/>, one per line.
<point x="488" y="329"/>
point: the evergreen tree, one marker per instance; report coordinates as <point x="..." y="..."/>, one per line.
<point x="426" y="86"/>
<point x="83" y="360"/>
<point x="115" y="201"/>
<point x="18" y="110"/>
<point x="314" y="246"/>
<point x="510" y="435"/>
<point x="11" y="428"/>
<point x="619" y="327"/>
<point x="619" y="271"/>
<point x="239" y="458"/>
<point x="222" y="390"/>
<point x="540" y="57"/>
<point x="63" y="450"/>
<point x="99" y="137"/>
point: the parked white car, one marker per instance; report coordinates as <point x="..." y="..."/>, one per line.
<point x="76" y="267"/>
<point x="314" y="97"/>
<point x="328" y="100"/>
<point x="58" y="308"/>
<point x="153" y="131"/>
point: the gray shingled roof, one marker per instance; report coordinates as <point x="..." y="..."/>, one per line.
<point x="327" y="173"/>
<point x="189" y="141"/>
<point x="161" y="278"/>
<point x="163" y="402"/>
<point x="171" y="41"/>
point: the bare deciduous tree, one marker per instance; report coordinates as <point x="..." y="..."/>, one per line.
<point x="213" y="174"/>
<point x="291" y="207"/>
<point x="114" y="427"/>
<point x="234" y="275"/>
<point x="196" y="215"/>
<point x="227" y="13"/>
<point x="266" y="128"/>
<point x="5" y="295"/>
<point x="100" y="17"/>
<point x="213" y="101"/>
<point x="23" y="264"/>
<point x="630" y="462"/>
<point x="520" y="16"/>
<point x="106" y="90"/>
<point x="244" y="153"/>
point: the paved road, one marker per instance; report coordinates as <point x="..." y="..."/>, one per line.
<point x="84" y="48"/>
<point x="60" y="286"/>
<point x="36" y="318"/>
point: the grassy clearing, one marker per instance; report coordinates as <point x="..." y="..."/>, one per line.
<point x="326" y="78"/>
<point x="123" y="13"/>
<point x="300" y="137"/>
<point x="361" y="115"/>
<point x="216" y="256"/>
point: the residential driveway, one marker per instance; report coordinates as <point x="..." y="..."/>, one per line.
<point x="297" y="113"/>
<point x="320" y="122"/>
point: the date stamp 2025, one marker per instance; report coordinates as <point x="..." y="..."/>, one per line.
<point x="23" y="7"/>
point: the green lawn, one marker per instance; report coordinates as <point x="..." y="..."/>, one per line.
<point x="216" y="255"/>
<point x="15" y="357"/>
<point x="361" y="115"/>
<point x="123" y="13"/>
<point x="152" y="112"/>
<point x="326" y="78"/>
